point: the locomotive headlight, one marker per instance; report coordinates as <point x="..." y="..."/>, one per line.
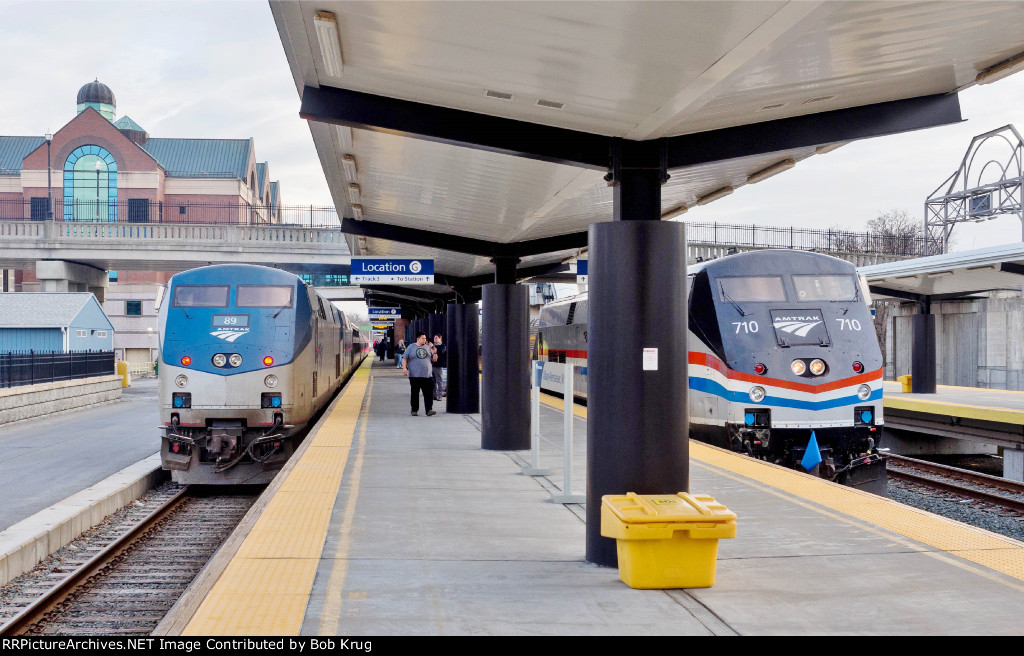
<point x="817" y="367"/>
<point x="798" y="367"/>
<point x="181" y="381"/>
<point x="863" y="392"/>
<point x="757" y="394"/>
<point x="220" y="360"/>
<point x="235" y="360"/>
<point x="270" y="381"/>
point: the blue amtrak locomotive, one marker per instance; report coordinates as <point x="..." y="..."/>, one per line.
<point x="781" y="346"/>
<point x="249" y="356"/>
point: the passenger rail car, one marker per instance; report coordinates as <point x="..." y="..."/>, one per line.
<point x="249" y="356"/>
<point x="781" y="346"/>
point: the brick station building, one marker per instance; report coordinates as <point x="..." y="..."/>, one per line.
<point x="108" y="169"/>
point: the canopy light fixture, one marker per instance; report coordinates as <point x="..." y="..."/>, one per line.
<point x="768" y="172"/>
<point x="330" y="44"/>
<point x="715" y="195"/>
<point x="1003" y="69"/>
<point x="828" y="148"/>
<point x="357" y="212"/>
<point x="353" y="194"/>
<point x="348" y="163"/>
<point x="674" y="212"/>
<point x="344" y="133"/>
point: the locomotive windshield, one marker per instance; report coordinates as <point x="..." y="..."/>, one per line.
<point x="272" y="296"/>
<point x="752" y="288"/>
<point x="200" y="296"/>
<point x="825" y="288"/>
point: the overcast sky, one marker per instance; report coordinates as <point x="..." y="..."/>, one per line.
<point x="217" y="70"/>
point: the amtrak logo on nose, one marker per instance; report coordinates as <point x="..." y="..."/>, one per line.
<point x="228" y="335"/>
<point x="800" y="328"/>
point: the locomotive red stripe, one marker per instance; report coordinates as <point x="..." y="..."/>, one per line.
<point x="709" y="360"/>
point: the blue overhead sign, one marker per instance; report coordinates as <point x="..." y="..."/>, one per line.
<point x="384" y="313"/>
<point x="581" y="272"/>
<point x="376" y="270"/>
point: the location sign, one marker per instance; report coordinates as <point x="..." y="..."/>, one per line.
<point x="378" y="270"/>
<point x="581" y="272"/>
<point x="384" y="313"/>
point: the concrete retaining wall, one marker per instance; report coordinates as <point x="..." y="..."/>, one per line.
<point x="27" y="401"/>
<point x="28" y="542"/>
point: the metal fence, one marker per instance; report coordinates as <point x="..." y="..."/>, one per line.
<point x="828" y="240"/>
<point x="30" y="367"/>
<point x="143" y="210"/>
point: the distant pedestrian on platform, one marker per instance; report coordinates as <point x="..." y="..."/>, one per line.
<point x="382" y="348"/>
<point x="440" y="362"/>
<point x="417" y="365"/>
<point x="399" y="352"/>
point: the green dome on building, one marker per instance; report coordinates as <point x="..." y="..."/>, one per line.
<point x="97" y="95"/>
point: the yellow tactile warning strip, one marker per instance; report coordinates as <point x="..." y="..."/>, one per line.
<point x="951" y="409"/>
<point x="265" y="589"/>
<point x="989" y="550"/>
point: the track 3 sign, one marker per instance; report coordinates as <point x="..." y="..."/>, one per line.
<point x="377" y="270"/>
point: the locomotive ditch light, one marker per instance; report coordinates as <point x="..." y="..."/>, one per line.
<point x="760" y="369"/>
<point x="235" y="360"/>
<point x="863" y="392"/>
<point x="270" y="381"/>
<point x="267" y="361"/>
<point x="798" y="367"/>
<point x="181" y="381"/>
<point x="186" y="361"/>
<point x="220" y="360"/>
<point x="757" y="394"/>
<point x="858" y="367"/>
<point x="817" y="367"/>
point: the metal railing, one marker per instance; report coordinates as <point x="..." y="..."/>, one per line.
<point x="30" y="367"/>
<point x="137" y="369"/>
<point x="147" y="211"/>
<point x="806" y="239"/>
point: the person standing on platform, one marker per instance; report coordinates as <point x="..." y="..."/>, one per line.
<point x="416" y="364"/>
<point x="399" y="352"/>
<point x="440" y="362"/>
<point x="381" y="350"/>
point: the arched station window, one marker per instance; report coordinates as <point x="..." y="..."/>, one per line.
<point x="90" y="185"/>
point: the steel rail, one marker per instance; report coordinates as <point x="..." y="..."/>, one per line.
<point x="961" y="474"/>
<point x="34" y="612"/>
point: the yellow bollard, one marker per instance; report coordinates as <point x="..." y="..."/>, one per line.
<point x="905" y="382"/>
<point x="122" y="371"/>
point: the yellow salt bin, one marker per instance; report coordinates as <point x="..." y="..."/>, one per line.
<point x="666" y="540"/>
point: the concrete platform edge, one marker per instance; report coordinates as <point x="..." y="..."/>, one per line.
<point x="27" y="543"/>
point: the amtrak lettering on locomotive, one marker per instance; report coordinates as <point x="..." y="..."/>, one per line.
<point x="781" y="345"/>
<point x="249" y="356"/>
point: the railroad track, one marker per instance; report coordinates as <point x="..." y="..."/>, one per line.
<point x="997" y="491"/>
<point x="128" y="586"/>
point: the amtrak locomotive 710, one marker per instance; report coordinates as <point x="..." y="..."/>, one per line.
<point x="784" y="363"/>
<point x="249" y="356"/>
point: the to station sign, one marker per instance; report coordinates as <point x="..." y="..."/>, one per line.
<point x="378" y="270"/>
<point x="581" y="272"/>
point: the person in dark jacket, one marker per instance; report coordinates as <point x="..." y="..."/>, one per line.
<point x="438" y="367"/>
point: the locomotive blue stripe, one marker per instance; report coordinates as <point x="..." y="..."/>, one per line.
<point x="711" y="387"/>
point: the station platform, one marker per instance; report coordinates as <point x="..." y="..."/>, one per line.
<point x="992" y="405"/>
<point x="388" y="524"/>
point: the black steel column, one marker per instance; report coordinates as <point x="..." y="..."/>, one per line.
<point x="463" y="341"/>
<point x="436" y="325"/>
<point x="505" y="407"/>
<point x="638" y="426"/>
<point x="922" y="355"/>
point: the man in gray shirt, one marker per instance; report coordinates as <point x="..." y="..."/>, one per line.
<point x="417" y="365"/>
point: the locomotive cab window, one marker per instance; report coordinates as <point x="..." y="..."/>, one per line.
<point x="268" y="296"/>
<point x="825" y="288"/>
<point x="751" y="288"/>
<point x="200" y="296"/>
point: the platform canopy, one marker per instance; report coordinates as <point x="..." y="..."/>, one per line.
<point x="950" y="275"/>
<point x="468" y="131"/>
